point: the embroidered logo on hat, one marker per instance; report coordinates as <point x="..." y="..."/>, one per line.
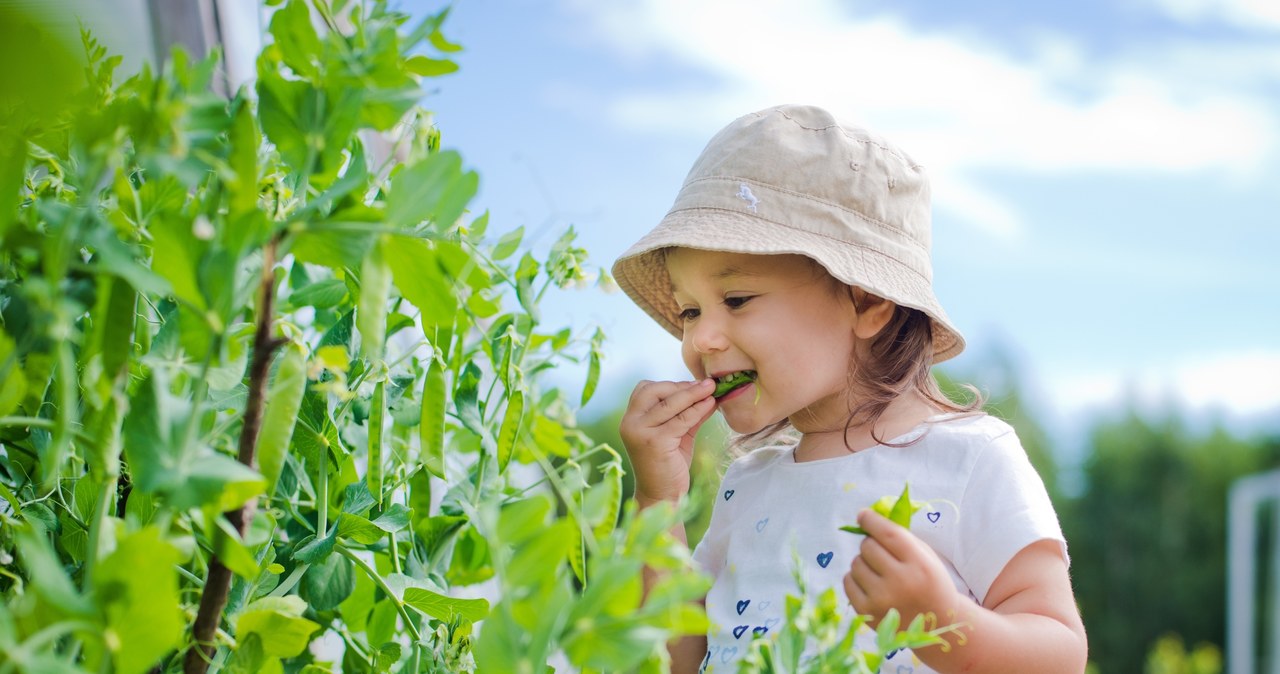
<point x="744" y="193"/>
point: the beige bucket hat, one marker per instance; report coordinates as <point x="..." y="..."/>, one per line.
<point x="793" y="179"/>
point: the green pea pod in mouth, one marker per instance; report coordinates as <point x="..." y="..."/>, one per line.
<point x="733" y="382"/>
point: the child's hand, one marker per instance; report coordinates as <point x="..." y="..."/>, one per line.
<point x="895" y="569"/>
<point x="657" y="431"/>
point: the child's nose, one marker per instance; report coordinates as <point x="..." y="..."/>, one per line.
<point x="707" y="336"/>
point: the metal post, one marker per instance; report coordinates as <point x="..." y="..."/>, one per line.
<point x="1247" y="494"/>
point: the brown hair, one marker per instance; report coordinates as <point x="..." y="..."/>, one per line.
<point x="900" y="358"/>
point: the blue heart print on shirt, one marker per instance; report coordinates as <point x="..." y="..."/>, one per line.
<point x="760" y="630"/>
<point x="825" y="558"/>
<point x="742" y="605"/>
<point x="934" y="516"/>
<point x="762" y="524"/>
<point x="739" y="631"/>
<point x="728" y="494"/>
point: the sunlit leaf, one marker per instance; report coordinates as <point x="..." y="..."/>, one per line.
<point x="136" y="589"/>
<point x="279" y="622"/>
<point x="444" y="607"/>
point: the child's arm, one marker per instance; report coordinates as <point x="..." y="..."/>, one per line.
<point x="657" y="431"/>
<point x="1027" y="623"/>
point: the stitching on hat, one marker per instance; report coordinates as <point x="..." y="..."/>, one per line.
<point x="890" y="227"/>
<point x="864" y="141"/>
<point x="905" y="265"/>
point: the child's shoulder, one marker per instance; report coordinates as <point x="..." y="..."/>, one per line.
<point x="972" y="436"/>
<point x="980" y="428"/>
<point x="759" y="459"/>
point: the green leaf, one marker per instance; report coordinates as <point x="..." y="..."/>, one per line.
<point x="466" y="399"/>
<point x="13" y="383"/>
<point x="281" y="109"/>
<point x="429" y="67"/>
<point x="472" y="561"/>
<point x="357" y="499"/>
<point x="136" y="588"/>
<point x="443" y="607"/>
<point x="284" y="399"/>
<point x="324" y="294"/>
<point x="521" y="519"/>
<point x="232" y="551"/>
<point x="434" y="189"/>
<point x="431" y="426"/>
<point x="508" y="244"/>
<point x="510" y="428"/>
<point x="419" y="275"/>
<point x="371" y="312"/>
<point x="316" y="549"/>
<point x="176" y="257"/>
<point x="278" y="621"/>
<point x="248" y="657"/>
<point x="540" y="559"/>
<point x="331" y="248"/>
<point x="359" y="529"/>
<point x="49" y="581"/>
<point x="296" y="37"/>
<point x="327" y="584"/>
<point x="218" y="481"/>
<point x="395" y="518"/>
<point x="13" y="161"/>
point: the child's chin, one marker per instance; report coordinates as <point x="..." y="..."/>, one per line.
<point x="741" y="425"/>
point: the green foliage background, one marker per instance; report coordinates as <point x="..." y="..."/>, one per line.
<point x="268" y="404"/>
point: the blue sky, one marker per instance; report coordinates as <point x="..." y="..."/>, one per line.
<point x="1106" y="202"/>
<point x="1107" y="207"/>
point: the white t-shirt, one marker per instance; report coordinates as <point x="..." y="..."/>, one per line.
<point x="984" y="500"/>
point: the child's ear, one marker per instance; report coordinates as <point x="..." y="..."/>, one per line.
<point x="873" y="313"/>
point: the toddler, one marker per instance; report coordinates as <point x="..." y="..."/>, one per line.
<point x="794" y="268"/>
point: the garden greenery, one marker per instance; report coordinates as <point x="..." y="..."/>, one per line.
<point x="271" y="402"/>
<point x="259" y="388"/>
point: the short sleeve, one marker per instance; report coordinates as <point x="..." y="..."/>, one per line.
<point x="1005" y="508"/>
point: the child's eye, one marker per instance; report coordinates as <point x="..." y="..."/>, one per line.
<point x="737" y="302"/>
<point x="688" y="314"/>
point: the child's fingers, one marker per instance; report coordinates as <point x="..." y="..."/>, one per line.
<point x="667" y="403"/>
<point x="690" y="417"/>
<point x="875" y="556"/>
<point x="891" y="537"/>
<point x="857" y="596"/>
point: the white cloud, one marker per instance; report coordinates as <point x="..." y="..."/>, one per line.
<point x="1250" y="14"/>
<point x="958" y="104"/>
<point x="1242" y="383"/>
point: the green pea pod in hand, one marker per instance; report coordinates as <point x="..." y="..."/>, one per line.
<point x="898" y="511"/>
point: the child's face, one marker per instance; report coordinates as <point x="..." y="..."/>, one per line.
<point x="779" y="315"/>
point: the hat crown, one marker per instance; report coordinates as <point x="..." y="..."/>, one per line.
<point x="805" y="151"/>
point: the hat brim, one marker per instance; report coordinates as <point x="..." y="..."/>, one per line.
<point x="641" y="271"/>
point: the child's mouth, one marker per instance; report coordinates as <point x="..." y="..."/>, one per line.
<point x="733" y="381"/>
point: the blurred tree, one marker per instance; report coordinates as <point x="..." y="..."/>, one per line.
<point x="1148" y="533"/>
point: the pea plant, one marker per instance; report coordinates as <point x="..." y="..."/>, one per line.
<point x="272" y="401"/>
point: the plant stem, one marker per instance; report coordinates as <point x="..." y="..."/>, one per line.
<point x="382" y="584"/>
<point x="213" y="600"/>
